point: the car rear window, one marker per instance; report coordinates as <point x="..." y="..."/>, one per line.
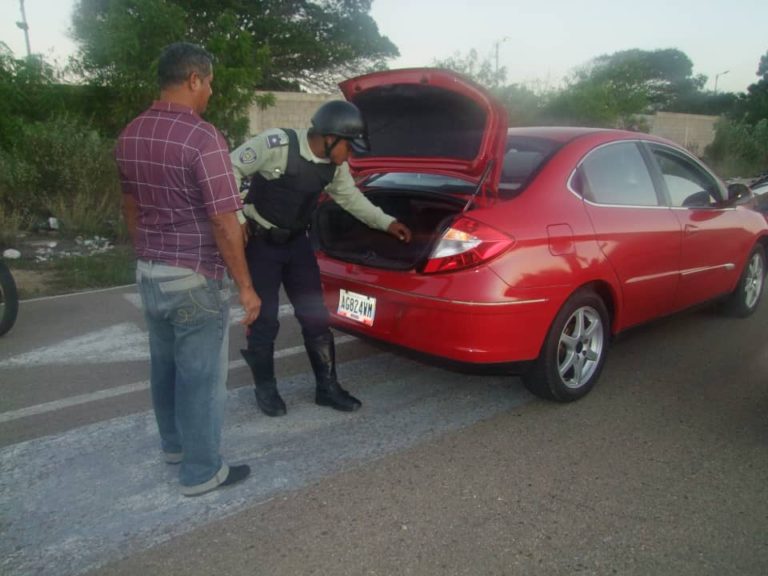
<point x="419" y="180"/>
<point x="523" y="157"/>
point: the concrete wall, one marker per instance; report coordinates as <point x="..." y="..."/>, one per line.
<point x="294" y="110"/>
<point x="291" y="110"/>
<point x="692" y="131"/>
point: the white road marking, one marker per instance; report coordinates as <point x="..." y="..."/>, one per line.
<point x="123" y="342"/>
<point x="134" y="298"/>
<point x="73" y="501"/>
<point x="127" y="389"/>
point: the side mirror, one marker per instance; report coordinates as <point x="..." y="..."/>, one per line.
<point x="738" y="192"/>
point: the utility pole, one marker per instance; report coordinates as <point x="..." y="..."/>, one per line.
<point x="496" y="69"/>
<point x="718" y="76"/>
<point x="24" y="26"/>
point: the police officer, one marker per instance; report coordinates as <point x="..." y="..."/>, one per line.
<point x="288" y="170"/>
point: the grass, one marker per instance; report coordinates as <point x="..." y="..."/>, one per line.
<point x="113" y="268"/>
<point x="75" y="273"/>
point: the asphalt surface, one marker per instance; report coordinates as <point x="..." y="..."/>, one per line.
<point x="662" y="469"/>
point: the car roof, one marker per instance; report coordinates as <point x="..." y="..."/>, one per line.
<point x="565" y="133"/>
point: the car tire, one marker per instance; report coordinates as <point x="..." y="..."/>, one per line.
<point x="743" y="301"/>
<point x="574" y="350"/>
<point x="9" y="300"/>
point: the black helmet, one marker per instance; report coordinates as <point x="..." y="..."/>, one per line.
<point x="342" y="119"/>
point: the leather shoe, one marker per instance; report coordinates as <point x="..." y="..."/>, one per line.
<point x="337" y="398"/>
<point x="236" y="474"/>
<point x="269" y="400"/>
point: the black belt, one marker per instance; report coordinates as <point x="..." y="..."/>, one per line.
<point x="274" y="235"/>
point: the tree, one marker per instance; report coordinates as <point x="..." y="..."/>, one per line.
<point x="25" y="93"/>
<point x="612" y="89"/>
<point x="594" y="103"/>
<point x="258" y="44"/>
<point x="704" y="102"/>
<point x="523" y="104"/>
<point x="120" y="41"/>
<point x="662" y="76"/>
<point x="740" y="147"/>
<point x="51" y="160"/>
<point x="314" y="43"/>
<point x="753" y="106"/>
<point x="470" y="65"/>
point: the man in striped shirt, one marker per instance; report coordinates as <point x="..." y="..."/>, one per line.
<point x="180" y="201"/>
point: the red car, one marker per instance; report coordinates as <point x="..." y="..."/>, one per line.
<point x="532" y="246"/>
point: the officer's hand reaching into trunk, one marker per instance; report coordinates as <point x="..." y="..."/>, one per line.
<point x="400" y="231"/>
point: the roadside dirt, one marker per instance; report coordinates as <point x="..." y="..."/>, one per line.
<point x="31" y="271"/>
<point x="33" y="283"/>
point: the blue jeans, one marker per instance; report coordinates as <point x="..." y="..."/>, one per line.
<point x="187" y="316"/>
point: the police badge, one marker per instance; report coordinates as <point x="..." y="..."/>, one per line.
<point x="248" y="155"/>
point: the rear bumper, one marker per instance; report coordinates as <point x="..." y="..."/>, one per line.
<point x="499" y="330"/>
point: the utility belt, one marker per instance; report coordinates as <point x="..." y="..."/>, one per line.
<point x="274" y="235"/>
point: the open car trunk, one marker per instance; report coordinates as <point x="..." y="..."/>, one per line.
<point x="344" y="237"/>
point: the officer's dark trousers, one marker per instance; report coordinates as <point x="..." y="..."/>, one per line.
<point x="294" y="265"/>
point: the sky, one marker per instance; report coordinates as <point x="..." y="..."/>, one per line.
<point x="539" y="42"/>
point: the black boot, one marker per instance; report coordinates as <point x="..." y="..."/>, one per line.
<point x="261" y="361"/>
<point x="322" y="356"/>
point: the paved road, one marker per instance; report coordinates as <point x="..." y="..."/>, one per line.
<point x="663" y="469"/>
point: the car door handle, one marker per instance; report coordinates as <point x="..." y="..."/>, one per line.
<point x="690" y="228"/>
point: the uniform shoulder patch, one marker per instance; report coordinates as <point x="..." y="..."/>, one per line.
<point x="247" y="155"/>
<point x="277" y="139"/>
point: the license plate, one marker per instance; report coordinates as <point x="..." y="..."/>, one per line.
<point x="357" y="307"/>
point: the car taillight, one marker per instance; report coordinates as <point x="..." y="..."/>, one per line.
<point x="466" y="243"/>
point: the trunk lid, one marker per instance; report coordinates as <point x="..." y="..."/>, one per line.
<point x="427" y="119"/>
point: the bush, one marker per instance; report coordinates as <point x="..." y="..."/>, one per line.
<point x="11" y="223"/>
<point x="739" y="149"/>
<point x="61" y="168"/>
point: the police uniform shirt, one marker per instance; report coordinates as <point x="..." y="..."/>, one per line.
<point x="267" y="153"/>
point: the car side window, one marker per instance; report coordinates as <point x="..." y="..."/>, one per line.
<point x="688" y="185"/>
<point x="616" y="174"/>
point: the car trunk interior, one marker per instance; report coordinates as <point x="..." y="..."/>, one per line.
<point x="342" y="236"/>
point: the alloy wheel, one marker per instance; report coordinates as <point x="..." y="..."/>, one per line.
<point x="753" y="281"/>
<point x="581" y="347"/>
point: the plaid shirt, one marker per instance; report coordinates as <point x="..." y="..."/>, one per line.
<point x="178" y="170"/>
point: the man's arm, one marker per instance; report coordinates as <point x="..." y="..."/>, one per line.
<point x="252" y="156"/>
<point x="213" y="171"/>
<point x="229" y="240"/>
<point x="248" y="159"/>
<point x="346" y="194"/>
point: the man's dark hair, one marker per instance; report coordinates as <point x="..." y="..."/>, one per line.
<point x="179" y="60"/>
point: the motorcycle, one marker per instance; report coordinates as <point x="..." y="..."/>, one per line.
<point x="9" y="299"/>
